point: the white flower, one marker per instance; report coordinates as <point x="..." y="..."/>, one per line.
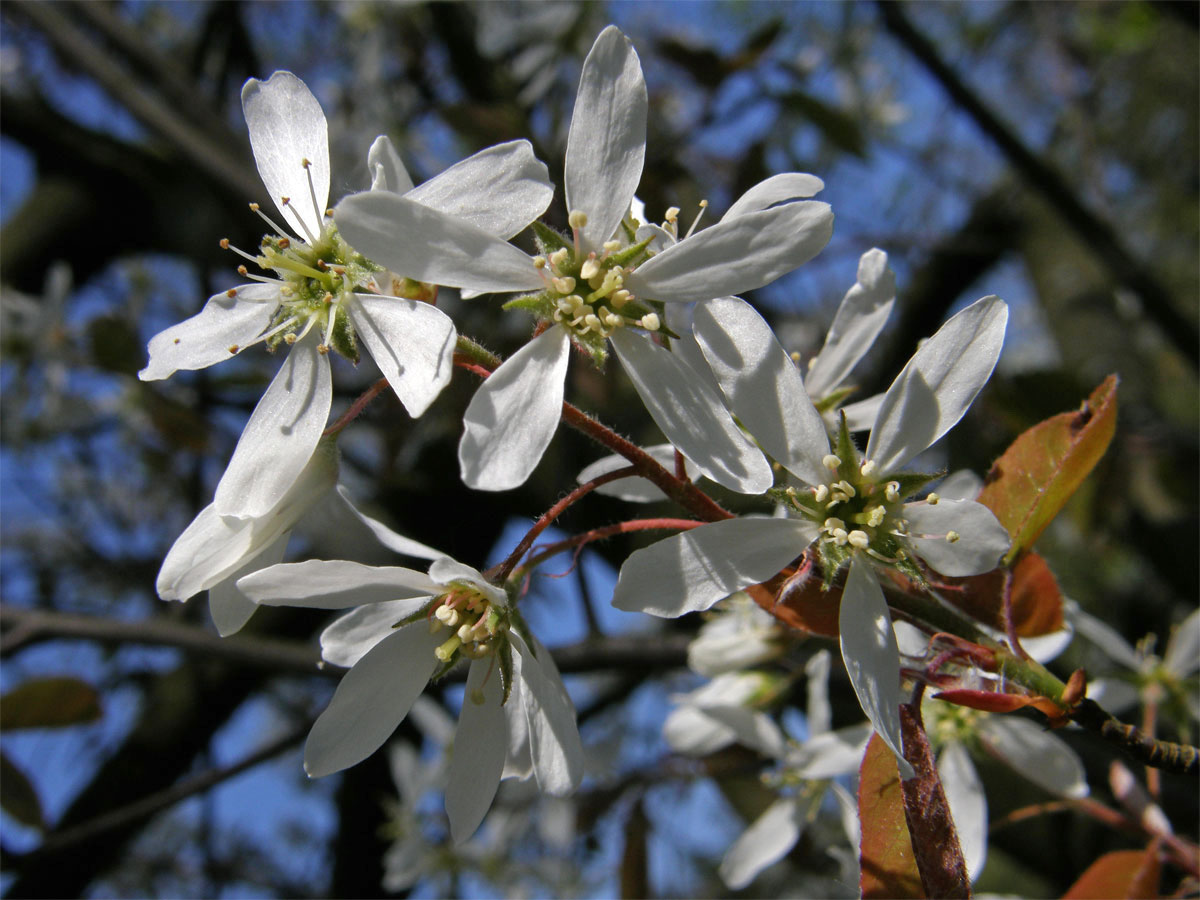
<point x="742" y="634"/>
<point x="860" y="318"/>
<point x="854" y="510"/>
<point x="825" y="755"/>
<point x="323" y="295"/>
<point x="215" y="550"/>
<point x="721" y="712"/>
<point x="600" y="286"/>
<point x="1029" y="749"/>
<point x="409" y="627"/>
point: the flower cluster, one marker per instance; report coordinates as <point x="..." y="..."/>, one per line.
<point x="711" y="373"/>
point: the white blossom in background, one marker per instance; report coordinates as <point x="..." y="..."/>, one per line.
<point x="322" y="295"/>
<point x="409" y="627"/>
<point x="724" y="711"/>
<point x="1027" y="747"/>
<point x="740" y="635"/>
<point x="804" y="771"/>
<point x="854" y="511"/>
<point x="637" y="489"/>
<point x="599" y="286"/>
<point x="1148" y="678"/>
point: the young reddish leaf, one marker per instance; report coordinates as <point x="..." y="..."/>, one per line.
<point x="17" y="796"/>
<point x="930" y="825"/>
<point x="803" y="606"/>
<point x="1132" y="874"/>
<point x="888" y="866"/>
<point x="49" y="703"/>
<point x="1039" y="472"/>
<point x="990" y="701"/>
<point x="1037" y="606"/>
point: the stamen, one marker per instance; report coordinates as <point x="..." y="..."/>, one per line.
<point x="312" y="190"/>
<point x="286" y="203"/>
<point x="225" y="245"/>
<point x="254" y="208"/>
<point x="821" y="493"/>
<point x="650" y="322"/>
<point x="330" y="318"/>
<point x="933" y="498"/>
<point x="952" y="537"/>
<point x="867" y="469"/>
<point x="858" y="539"/>
<point x="830" y="461"/>
<point x="696" y="221"/>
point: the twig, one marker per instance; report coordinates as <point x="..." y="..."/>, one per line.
<point x="1181" y="759"/>
<point x="60" y="843"/>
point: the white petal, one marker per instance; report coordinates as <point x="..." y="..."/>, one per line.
<point x="960" y="485"/>
<point x="635" y="489"/>
<point x="209" y="336"/>
<point x="691" y="415"/>
<point x="1115" y="695"/>
<point x="553" y="733"/>
<point x="280" y="437"/>
<point x="287" y="127"/>
<point x="431" y="246"/>
<point x="333" y="584"/>
<point x="1037" y="754"/>
<point x="387" y="170"/>
<point x="411" y="342"/>
<point x="968" y="805"/>
<point x="691" y="731"/>
<point x="229" y="607"/>
<point x="446" y="570"/>
<point x="763" y="385"/>
<point x="210" y="549"/>
<point x="776" y="189"/>
<point x="939" y="383"/>
<point x="764" y="843"/>
<point x="371" y="700"/>
<point x="1183" y="649"/>
<point x="831" y="754"/>
<point x="514" y="414"/>
<point x="500" y="190"/>
<point x="1105" y="637"/>
<point x="393" y="540"/>
<point x="860" y="317"/>
<point x="861" y="414"/>
<point x="749" y="727"/>
<point x="519" y="761"/>
<point x="818" y="710"/>
<point x="607" y="142"/>
<point x="871" y="656"/>
<point x="213" y="548"/>
<point x="736" y="255"/>
<point x="1045" y="647"/>
<point x="982" y="539"/>
<point x="350" y="637"/>
<point x="480" y="745"/>
<point x="693" y="570"/>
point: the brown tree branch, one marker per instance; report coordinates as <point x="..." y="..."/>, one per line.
<point x="1047" y="181"/>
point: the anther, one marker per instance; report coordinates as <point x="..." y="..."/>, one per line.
<point x="233" y="349"/>
<point x="952" y="537"/>
<point x="650" y="322"/>
<point x="231" y="293"/>
<point x="539" y="262"/>
<point x="858" y="539"/>
<point x="933" y="498"/>
<point x="563" y="284"/>
<point x="867" y="469"/>
<point x="242" y="270"/>
<point x="577" y="219"/>
<point x="821" y="493"/>
<point x="611" y="246"/>
<point x="830" y="461"/>
<point x="590" y="269"/>
<point x="224" y="243"/>
<point x="892" y="491"/>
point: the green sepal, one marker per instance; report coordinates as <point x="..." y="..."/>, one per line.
<point x="846" y="452"/>
<point x="549" y="240"/>
<point x="834" y="399"/>
<point x="423" y="613"/>
<point x="504" y="656"/>
<point x="625" y="257"/>
<point x="833" y="558"/>
<point x="911" y="482"/>
<point x="443" y="669"/>
<point x="594" y="346"/>
<point x="522" y="628"/>
<point x="343" y="338"/>
<point x="541" y="303"/>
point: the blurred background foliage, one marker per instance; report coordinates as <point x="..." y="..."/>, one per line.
<point x="1044" y="152"/>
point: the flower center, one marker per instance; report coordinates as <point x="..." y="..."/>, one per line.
<point x="587" y="294"/>
<point x="854" y="510"/>
<point x="474" y="620"/>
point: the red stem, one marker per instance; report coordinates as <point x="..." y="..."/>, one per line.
<point x="599" y="534"/>
<point x="356" y="407"/>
